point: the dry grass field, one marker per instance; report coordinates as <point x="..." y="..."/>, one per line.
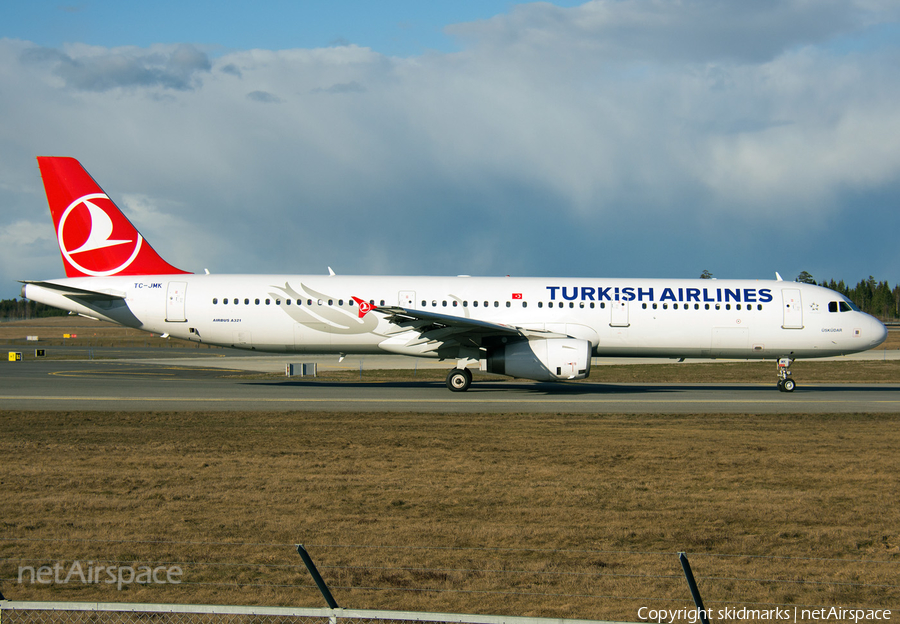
<point x="549" y="515"/>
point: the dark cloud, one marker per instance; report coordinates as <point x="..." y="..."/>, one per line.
<point x="264" y="96"/>
<point x="232" y="69"/>
<point x="174" y="68"/>
<point x="342" y="87"/>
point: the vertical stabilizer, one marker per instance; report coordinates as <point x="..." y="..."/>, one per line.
<point x="95" y="238"/>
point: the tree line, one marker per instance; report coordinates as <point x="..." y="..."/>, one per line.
<point x="21" y="309"/>
<point x="876" y="298"/>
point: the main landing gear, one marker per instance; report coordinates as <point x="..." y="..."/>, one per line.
<point x="785" y="383"/>
<point x="459" y="379"/>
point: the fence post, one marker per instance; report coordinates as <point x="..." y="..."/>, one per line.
<point x="326" y="593"/>
<point x="692" y="584"/>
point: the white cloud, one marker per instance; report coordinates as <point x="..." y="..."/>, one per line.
<point x="636" y="137"/>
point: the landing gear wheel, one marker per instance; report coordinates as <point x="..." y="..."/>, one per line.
<point x="785" y="383"/>
<point x="459" y="379"/>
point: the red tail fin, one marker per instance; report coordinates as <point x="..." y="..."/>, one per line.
<point x="95" y="238"/>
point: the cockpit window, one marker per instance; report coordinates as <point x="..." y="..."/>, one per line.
<point x="845" y="307"/>
<point x="842" y="306"/>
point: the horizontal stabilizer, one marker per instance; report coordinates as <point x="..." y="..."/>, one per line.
<point x="76" y="293"/>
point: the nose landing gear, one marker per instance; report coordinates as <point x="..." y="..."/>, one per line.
<point x="785" y="383"/>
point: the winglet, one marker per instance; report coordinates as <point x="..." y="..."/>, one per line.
<point x="778" y="277"/>
<point x="95" y="238"/>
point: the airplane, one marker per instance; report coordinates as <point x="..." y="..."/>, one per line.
<point x="543" y="329"/>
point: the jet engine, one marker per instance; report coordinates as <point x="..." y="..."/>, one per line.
<point x="544" y="359"/>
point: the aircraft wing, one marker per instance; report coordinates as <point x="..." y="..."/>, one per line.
<point x="446" y="332"/>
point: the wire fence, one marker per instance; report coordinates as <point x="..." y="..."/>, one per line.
<point x="598" y="584"/>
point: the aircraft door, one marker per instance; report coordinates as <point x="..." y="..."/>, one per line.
<point x="407" y="299"/>
<point x="175" y="302"/>
<point x="618" y="314"/>
<point x="793" y="308"/>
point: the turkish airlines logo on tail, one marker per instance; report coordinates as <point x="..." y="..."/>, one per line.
<point x="92" y="242"/>
<point x="364" y="306"/>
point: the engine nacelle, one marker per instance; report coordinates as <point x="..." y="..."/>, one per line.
<point x="546" y="359"/>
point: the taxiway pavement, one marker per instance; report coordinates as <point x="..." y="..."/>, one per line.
<point x="117" y="385"/>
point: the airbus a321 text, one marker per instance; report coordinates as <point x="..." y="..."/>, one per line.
<point x="545" y="329"/>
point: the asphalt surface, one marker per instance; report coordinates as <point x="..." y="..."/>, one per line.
<point x="134" y="385"/>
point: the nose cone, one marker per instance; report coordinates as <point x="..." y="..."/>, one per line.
<point x="874" y="331"/>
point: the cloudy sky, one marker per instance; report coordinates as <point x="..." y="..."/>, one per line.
<point x="613" y="138"/>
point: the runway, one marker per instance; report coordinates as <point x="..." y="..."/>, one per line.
<point x="113" y="385"/>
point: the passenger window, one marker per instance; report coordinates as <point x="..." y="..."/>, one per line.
<point x="674" y="306"/>
<point x="540" y="304"/>
<point x="644" y="306"/>
<point x="496" y="304"/>
<point x="215" y="300"/>
<point x="257" y="302"/>
<point x="592" y="305"/>
<point x="235" y="301"/>
<point x="706" y="305"/>
<point x="524" y="304"/>
<point x="508" y="304"/>
<point x="455" y="303"/>
<point x="268" y="301"/>
<point x="444" y="303"/>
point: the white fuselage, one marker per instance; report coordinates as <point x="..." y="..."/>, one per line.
<point x="751" y="319"/>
